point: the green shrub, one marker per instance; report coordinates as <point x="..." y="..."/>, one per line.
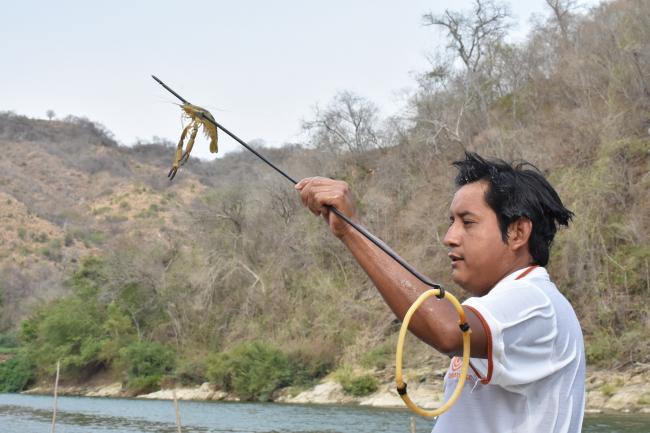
<point x="609" y="389"/>
<point x="101" y="210"/>
<point x="87" y="280"/>
<point x="40" y="237"/>
<point x="144" y="384"/>
<point x="308" y="365"/>
<point x="79" y="330"/>
<point x="68" y="240"/>
<point x="379" y="357"/>
<point x="147" y="363"/>
<point x="16" y="373"/>
<point x="89" y="237"/>
<point x="218" y="370"/>
<point x="361" y="385"/>
<point x="352" y="384"/>
<point x="120" y="332"/>
<point x="68" y="330"/>
<point x="53" y="250"/>
<point x="191" y="371"/>
<point x="251" y="370"/>
<point x="8" y="339"/>
<point x="116" y="219"/>
<point x="601" y="347"/>
<point x="644" y="400"/>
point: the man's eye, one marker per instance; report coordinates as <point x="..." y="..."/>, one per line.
<point x="465" y="222"/>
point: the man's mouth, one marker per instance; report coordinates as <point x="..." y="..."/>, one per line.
<point x="455" y="258"/>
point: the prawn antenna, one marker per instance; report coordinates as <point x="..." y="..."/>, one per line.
<point x="233" y="136"/>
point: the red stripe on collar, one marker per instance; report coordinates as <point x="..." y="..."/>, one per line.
<point x="526" y="272"/>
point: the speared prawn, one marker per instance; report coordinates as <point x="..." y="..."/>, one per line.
<point x="198" y="117"/>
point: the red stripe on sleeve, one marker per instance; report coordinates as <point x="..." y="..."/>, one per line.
<point x="484" y="380"/>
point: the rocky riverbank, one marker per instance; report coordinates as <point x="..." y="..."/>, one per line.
<point x="607" y="391"/>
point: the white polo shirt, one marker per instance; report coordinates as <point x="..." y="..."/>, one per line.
<point x="533" y="380"/>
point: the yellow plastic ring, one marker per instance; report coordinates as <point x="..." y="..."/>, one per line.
<point x="401" y="385"/>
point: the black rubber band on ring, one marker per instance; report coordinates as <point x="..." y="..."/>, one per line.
<point x="441" y="292"/>
<point x="402" y="390"/>
<point x="464" y="327"/>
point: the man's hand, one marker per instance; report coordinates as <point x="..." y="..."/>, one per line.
<point x="318" y="192"/>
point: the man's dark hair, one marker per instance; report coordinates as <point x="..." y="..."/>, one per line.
<point x="518" y="191"/>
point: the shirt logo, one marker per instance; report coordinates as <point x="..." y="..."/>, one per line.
<point x="456" y="363"/>
<point x="454" y="370"/>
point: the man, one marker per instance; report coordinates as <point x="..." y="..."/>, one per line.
<point x="528" y="362"/>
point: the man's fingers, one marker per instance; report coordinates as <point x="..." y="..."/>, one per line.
<point x="318" y="193"/>
<point x="316" y="180"/>
<point x="306" y="181"/>
<point x="314" y="206"/>
<point x="318" y="198"/>
<point x="301" y="184"/>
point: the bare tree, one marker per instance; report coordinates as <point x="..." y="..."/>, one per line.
<point x="348" y="123"/>
<point x="50" y="114"/>
<point x="470" y="34"/>
<point x="562" y="14"/>
<point x="475" y="37"/>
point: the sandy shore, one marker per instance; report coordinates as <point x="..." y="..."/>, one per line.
<point x="607" y="391"/>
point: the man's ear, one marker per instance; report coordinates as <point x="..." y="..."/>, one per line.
<point x="519" y="233"/>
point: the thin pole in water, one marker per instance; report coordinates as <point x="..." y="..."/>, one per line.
<point x="56" y="391"/>
<point x="178" y="411"/>
<point x="372" y="238"/>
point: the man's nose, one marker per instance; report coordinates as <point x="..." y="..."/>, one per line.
<point x="451" y="237"/>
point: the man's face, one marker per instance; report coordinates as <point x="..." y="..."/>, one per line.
<point x="479" y="256"/>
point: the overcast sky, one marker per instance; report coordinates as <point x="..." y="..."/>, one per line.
<point x="259" y="66"/>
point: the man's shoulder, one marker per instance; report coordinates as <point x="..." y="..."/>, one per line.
<point x="533" y="296"/>
<point x="536" y="281"/>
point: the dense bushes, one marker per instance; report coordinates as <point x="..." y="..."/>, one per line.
<point x="254" y="370"/>
<point x="8" y="340"/>
<point x="251" y="370"/>
<point x="360" y="385"/>
<point x="310" y="364"/>
<point x="16" y="373"/>
<point x="378" y="357"/>
<point x="86" y="332"/>
<point x="147" y="363"/>
<point x="69" y="330"/>
<point x="82" y="331"/>
<point x="354" y="384"/>
<point x="191" y="370"/>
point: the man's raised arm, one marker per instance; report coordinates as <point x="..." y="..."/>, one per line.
<point x="436" y="321"/>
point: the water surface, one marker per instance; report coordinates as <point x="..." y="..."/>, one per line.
<point x="33" y="414"/>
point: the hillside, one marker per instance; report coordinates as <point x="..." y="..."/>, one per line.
<point x="225" y="254"/>
<point x="67" y="190"/>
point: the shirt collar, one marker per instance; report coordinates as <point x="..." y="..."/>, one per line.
<point x="538" y="272"/>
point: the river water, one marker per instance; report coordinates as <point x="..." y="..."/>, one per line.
<point x="33" y="414"/>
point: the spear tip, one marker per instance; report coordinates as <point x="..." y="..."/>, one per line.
<point x="168" y="89"/>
